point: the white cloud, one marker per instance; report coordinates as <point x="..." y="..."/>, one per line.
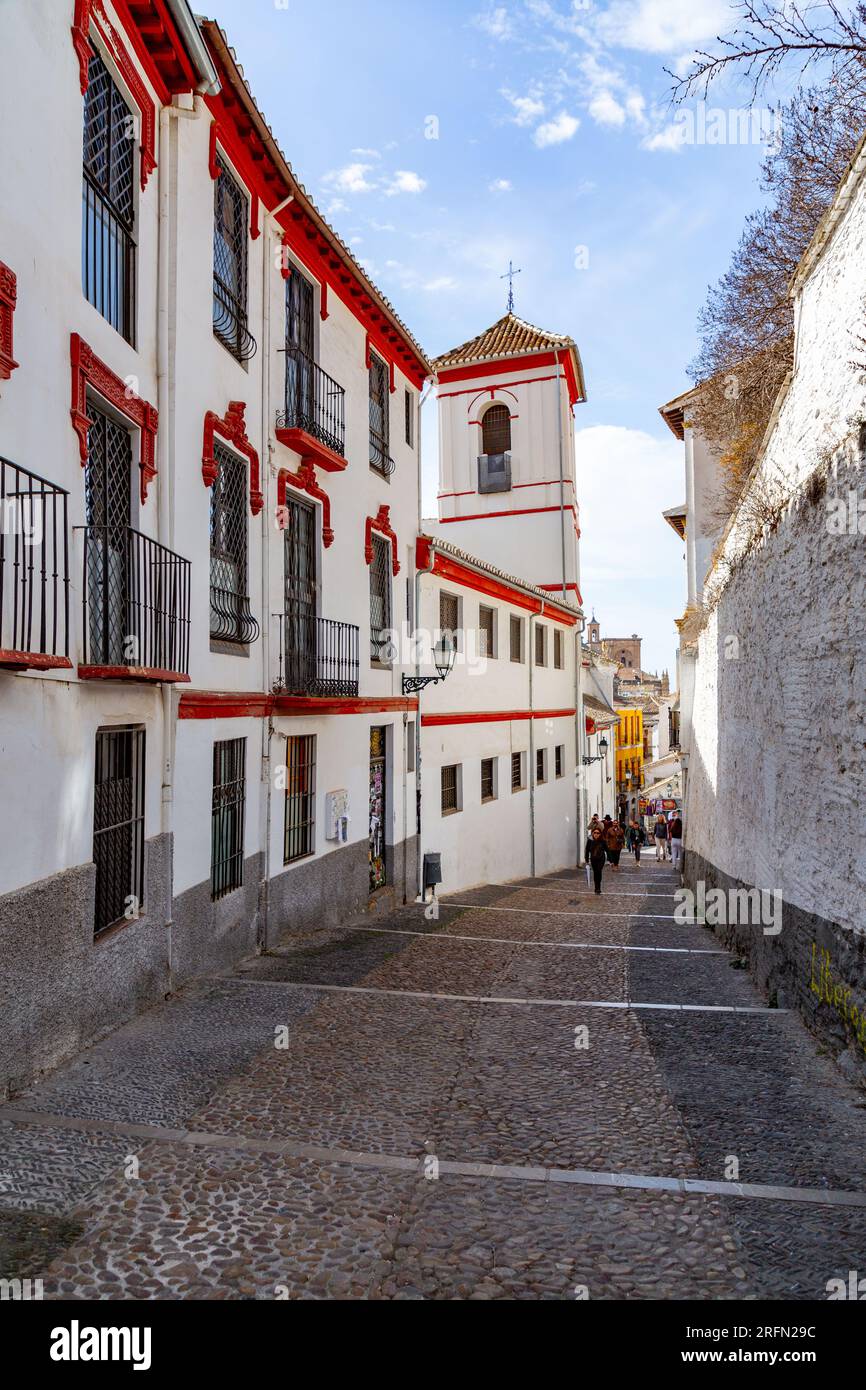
<point x="662" y="26"/>
<point x="670" y="140"/>
<point x="500" y="186"/>
<point x="367" y="154"/>
<point x="526" y="109"/>
<point x="606" y="110"/>
<point x="352" y="178"/>
<point x="555" y="132"/>
<point x="496" y="22"/>
<point x="405" y="181"/>
<point x="443" y="282"/>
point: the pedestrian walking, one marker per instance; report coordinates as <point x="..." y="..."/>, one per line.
<point x="595" y="855"/>
<point x="660" y="832"/>
<point x="637" y="839"/>
<point x="614" y="841"/>
<point x="676" y="833"/>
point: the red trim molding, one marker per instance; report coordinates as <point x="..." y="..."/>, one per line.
<point x="524" y="362"/>
<point x="152" y="675"/>
<point x="233" y="428"/>
<point x="8" y="300"/>
<point x="37" y="661"/>
<point x="381" y="523"/>
<point x="305" y="481"/>
<point x="518" y="511"/>
<point x="495" y="716"/>
<point x="311" y="450"/>
<point x="94" y="10"/>
<point x="308" y="704"/>
<point x="458" y="572"/>
<point x="210" y="704"/>
<point x="90" y="370"/>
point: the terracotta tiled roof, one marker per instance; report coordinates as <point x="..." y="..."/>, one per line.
<point x="509" y="337"/>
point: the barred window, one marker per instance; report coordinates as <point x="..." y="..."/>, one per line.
<point x="230" y="616"/>
<point x="118" y="826"/>
<point x="559" y="759"/>
<point x="516" y="638"/>
<point x="516" y="772"/>
<point x="450" y="789"/>
<point x="108" y="201"/>
<point x="300" y="825"/>
<point x="487" y="631"/>
<point x="540" y="765"/>
<point x="380" y="442"/>
<point x="541" y="646"/>
<point x="558" y="650"/>
<point x="410" y="429"/>
<point x="230" y="248"/>
<point x="496" y="430"/>
<point x="380" y="601"/>
<point x="449" y="616"/>
<point x="488" y="779"/>
<point x="227" y="818"/>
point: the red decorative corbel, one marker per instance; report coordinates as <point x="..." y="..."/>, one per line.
<point x="381" y="523"/>
<point x="8" y="300"/>
<point x="89" y="370"/>
<point x="324" y="312"/>
<point x="305" y="481"/>
<point x="81" y="39"/>
<point x="233" y="428"/>
<point x="255" y="229"/>
<point x="212" y="162"/>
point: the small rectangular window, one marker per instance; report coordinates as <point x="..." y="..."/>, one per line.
<point x="118" y="826"/>
<point x="230" y="250"/>
<point x="541" y="646"/>
<point x="227" y="816"/>
<point x="380" y="447"/>
<point x="517" y="782"/>
<point x="231" y="619"/>
<point x="559" y="759"/>
<point x="449" y="615"/>
<point x="558" y="650"/>
<point x="300" y="824"/>
<point x="410" y="746"/>
<point x="108" y="201"/>
<point x="540" y="765"/>
<point x="488" y="779"/>
<point x="516" y="638"/>
<point x="487" y="631"/>
<point x="450" y="789"/>
<point x="410" y="432"/>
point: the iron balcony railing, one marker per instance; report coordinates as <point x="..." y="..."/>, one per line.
<point x="136" y="602"/>
<point x="34" y="564"/>
<point x="315" y="402"/>
<point x="230" y="322"/>
<point x="317" y="656"/>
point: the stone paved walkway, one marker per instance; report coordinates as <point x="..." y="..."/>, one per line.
<point x="537" y="1094"/>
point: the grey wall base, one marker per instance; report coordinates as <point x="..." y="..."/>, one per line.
<point x="330" y="890"/>
<point x="209" y="936"/>
<point x="813" y="966"/>
<point x="59" y="989"/>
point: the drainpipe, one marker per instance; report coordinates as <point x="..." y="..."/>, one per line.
<point x="531" y="773"/>
<point x="561" y="475"/>
<point x="166" y="313"/>
<point x="419" y="574"/>
<point x="195" y="45"/>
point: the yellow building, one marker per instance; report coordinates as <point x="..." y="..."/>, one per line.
<point x="629" y="751"/>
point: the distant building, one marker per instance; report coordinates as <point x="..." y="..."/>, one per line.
<point x="626" y="652"/>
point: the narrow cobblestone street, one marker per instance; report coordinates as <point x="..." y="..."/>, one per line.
<point x="307" y="1170"/>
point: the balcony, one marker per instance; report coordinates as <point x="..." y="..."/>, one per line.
<point x="313" y="423"/>
<point x="318" y="657"/>
<point x="136" y="608"/>
<point x="230" y="322"/>
<point x="34" y="572"/>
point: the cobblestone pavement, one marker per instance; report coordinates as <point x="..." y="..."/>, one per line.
<point x="535" y="1095"/>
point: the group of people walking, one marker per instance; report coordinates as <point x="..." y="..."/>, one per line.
<point x="608" y="838"/>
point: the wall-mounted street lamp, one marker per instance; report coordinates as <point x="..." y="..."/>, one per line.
<point x="444" y="656"/>
<point x="602" y="749"/>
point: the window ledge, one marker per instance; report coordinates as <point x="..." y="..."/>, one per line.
<point x="148" y="674"/>
<point x="35" y="661"/>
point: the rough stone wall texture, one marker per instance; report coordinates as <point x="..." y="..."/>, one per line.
<point x="59" y="989"/>
<point x="210" y="936"/>
<point x="778" y="752"/>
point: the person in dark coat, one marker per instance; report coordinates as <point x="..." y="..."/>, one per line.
<point x="595" y="855"/>
<point x="614" y="840"/>
<point x="637" y="839"/>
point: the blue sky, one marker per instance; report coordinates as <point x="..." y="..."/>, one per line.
<point x="555" y="147"/>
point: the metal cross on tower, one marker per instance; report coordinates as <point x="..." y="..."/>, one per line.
<point x="509" y="276"/>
